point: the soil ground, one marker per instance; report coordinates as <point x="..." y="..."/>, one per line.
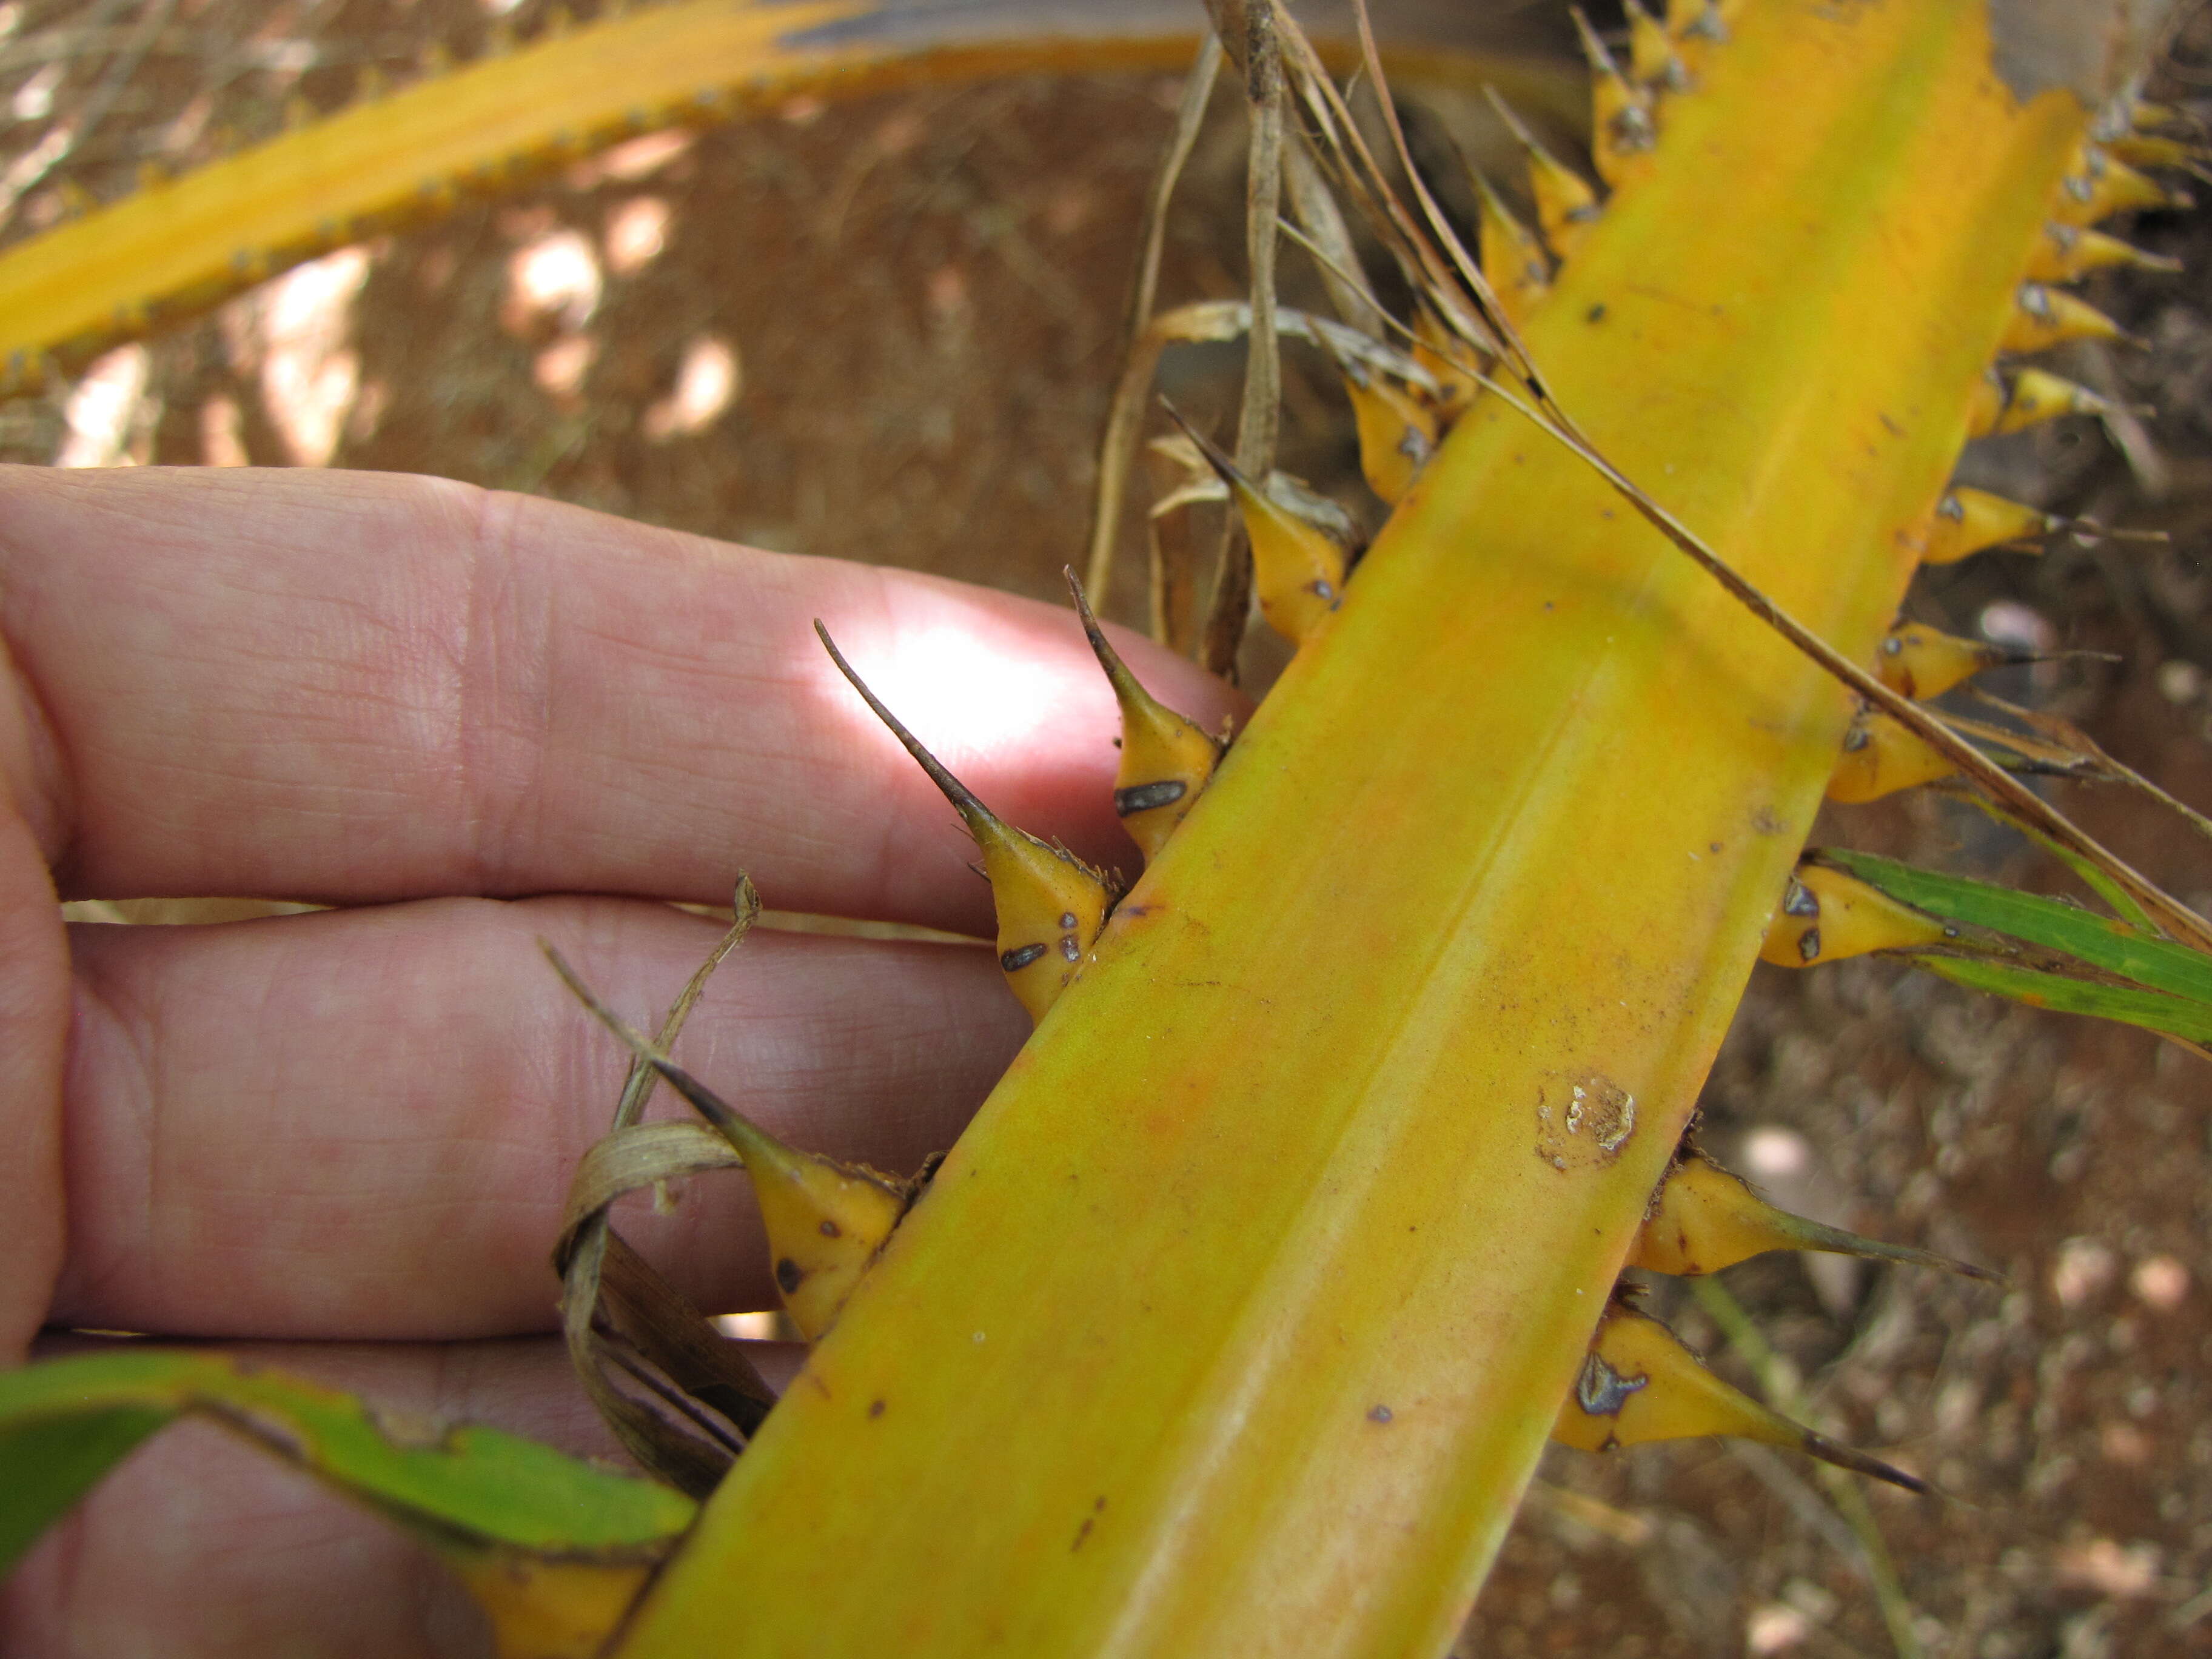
<point x="916" y="300"/>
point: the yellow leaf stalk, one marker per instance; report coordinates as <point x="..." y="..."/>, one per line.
<point x="394" y="158"/>
<point x="1237" y="1320"/>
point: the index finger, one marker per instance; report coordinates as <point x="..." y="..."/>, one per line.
<point x="367" y="687"/>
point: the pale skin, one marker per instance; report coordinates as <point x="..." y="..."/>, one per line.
<point x="473" y="720"/>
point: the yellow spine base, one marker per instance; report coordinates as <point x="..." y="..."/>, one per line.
<point x="1639" y="1384"/>
<point x="1436" y="349"/>
<point x="2037" y="395"/>
<point x="1050" y="904"/>
<point x="825" y="1220"/>
<point x="2044" y="317"/>
<point x="2070" y="253"/>
<point x="1622" y="127"/>
<point x="1297" y="568"/>
<point x="1922" y="661"/>
<point x="541" y="1609"/>
<point x="1166" y="760"/>
<point x="1826" y="915"/>
<point x="1397" y="433"/>
<point x="1567" y="209"/>
<point x="2100" y="187"/>
<point x="1652" y="60"/>
<point x="1966" y="521"/>
<point x="1513" y="258"/>
<point x="1881" y="757"/>
<point x="1705" y="1218"/>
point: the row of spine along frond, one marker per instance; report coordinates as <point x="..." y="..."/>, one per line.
<point x="1881" y="755"/>
<point x="1638" y="1382"/>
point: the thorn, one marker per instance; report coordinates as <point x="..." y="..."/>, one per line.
<point x="1639" y="1383"/>
<point x="2088" y="532"/>
<point x="1882" y="756"/>
<point x="2098" y="187"/>
<point x="826" y="1220"/>
<point x="1566" y="207"/>
<point x="2068" y="252"/>
<point x="1921" y="662"/>
<point x="2146" y="149"/>
<point x="2044" y="317"/>
<point x="1826" y="915"/>
<point x="1050" y="904"/>
<point x="1652" y="58"/>
<point x="2033" y="397"/>
<point x="1166" y="760"/>
<point x="1512" y="256"/>
<point x="1622" y="131"/>
<point x="1298" y="569"/>
<point x="1397" y="431"/>
<point x="1705" y="1218"/>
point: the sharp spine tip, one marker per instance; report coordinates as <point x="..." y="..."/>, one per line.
<point x="963" y="798"/>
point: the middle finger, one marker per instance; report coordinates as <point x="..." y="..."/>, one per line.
<point x="361" y="1124"/>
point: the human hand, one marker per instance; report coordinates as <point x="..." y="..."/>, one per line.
<point x="345" y="1138"/>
